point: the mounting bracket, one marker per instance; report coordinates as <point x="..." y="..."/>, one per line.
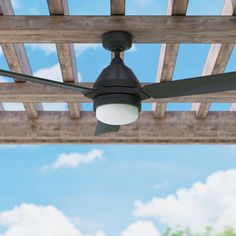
<point x="117" y="41"/>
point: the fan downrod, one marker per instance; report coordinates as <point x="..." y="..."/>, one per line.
<point x="117" y="41"/>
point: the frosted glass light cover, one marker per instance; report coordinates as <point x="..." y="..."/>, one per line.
<point x="117" y="114"/>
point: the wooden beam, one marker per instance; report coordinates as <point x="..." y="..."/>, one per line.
<point x="28" y="92"/>
<point x="66" y="54"/>
<point x="177" y="127"/>
<point x="117" y="9"/>
<point x="217" y="60"/>
<point x="168" y="54"/>
<point x="17" y="59"/>
<point x="145" y="29"/>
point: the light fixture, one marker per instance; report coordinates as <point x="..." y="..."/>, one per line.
<point x="117" y="106"/>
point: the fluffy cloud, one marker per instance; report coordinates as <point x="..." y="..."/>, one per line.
<point x="54" y="73"/>
<point x="83" y="47"/>
<point x="49" y="48"/>
<point x="212" y="203"/>
<point x="73" y="160"/>
<point x="141" y="228"/>
<point x="30" y="219"/>
<point x="100" y="233"/>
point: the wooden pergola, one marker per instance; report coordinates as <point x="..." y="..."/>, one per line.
<point x="75" y="126"/>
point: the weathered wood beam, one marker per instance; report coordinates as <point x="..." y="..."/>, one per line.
<point x="217" y="60"/>
<point x="177" y="127"/>
<point x="168" y="54"/>
<point x="66" y="54"/>
<point x="117" y="9"/>
<point x="145" y="29"/>
<point x="17" y="59"/>
<point x="28" y="92"/>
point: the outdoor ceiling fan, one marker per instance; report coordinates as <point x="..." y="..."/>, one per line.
<point x="117" y="94"/>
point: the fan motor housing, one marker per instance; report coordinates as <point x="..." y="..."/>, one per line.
<point x="117" y="84"/>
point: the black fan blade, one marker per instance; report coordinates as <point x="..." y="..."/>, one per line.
<point x="192" y="86"/>
<point x="38" y="80"/>
<point x="105" y="128"/>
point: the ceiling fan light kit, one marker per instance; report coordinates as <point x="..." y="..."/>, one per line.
<point x="118" y="103"/>
<point x="117" y="93"/>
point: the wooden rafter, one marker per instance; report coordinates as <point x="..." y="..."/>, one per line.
<point x="168" y="54"/>
<point x="217" y="60"/>
<point x="177" y="127"/>
<point x="26" y="92"/>
<point x="117" y="9"/>
<point x="17" y="60"/>
<point x="66" y="54"/>
<point x="145" y="29"/>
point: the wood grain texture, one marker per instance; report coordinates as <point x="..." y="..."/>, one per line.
<point x="217" y="60"/>
<point x="117" y="8"/>
<point x="29" y="92"/>
<point x="177" y="127"/>
<point x="66" y="54"/>
<point x="168" y="54"/>
<point x="17" y="59"/>
<point x="58" y="7"/>
<point x="145" y="29"/>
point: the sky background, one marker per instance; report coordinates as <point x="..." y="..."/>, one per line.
<point x="115" y="190"/>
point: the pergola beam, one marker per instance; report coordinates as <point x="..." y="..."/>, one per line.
<point x="177" y="127"/>
<point x="66" y="54"/>
<point x="28" y="92"/>
<point x="168" y="54"/>
<point x="217" y="60"/>
<point x="145" y="29"/>
<point x="17" y="59"/>
<point x="117" y="9"/>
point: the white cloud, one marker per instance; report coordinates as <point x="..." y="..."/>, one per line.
<point x="83" y="47"/>
<point x="212" y="203"/>
<point x="4" y="79"/>
<point x="49" y="48"/>
<point x="13" y="106"/>
<point x="30" y="219"/>
<point x="134" y="48"/>
<point x="100" y="233"/>
<point x="75" y="159"/>
<point x="53" y="73"/>
<point x="141" y="228"/>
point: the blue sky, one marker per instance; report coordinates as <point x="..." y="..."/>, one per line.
<point x="118" y="190"/>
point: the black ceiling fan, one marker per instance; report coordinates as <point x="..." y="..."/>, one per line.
<point x="117" y="94"/>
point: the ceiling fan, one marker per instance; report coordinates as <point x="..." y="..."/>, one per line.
<point x="117" y="94"/>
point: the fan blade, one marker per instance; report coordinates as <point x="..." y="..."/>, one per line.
<point x="105" y="128"/>
<point x="38" y="80"/>
<point x="192" y="86"/>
